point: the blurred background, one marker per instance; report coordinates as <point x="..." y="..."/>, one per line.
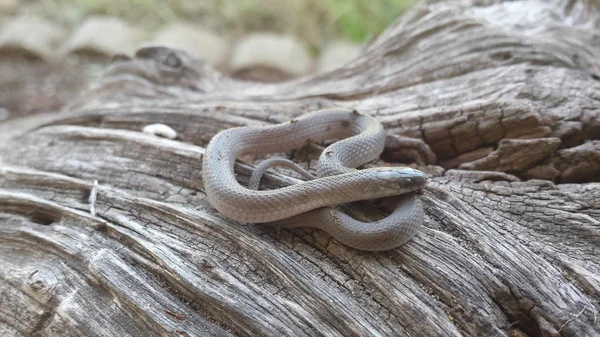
<point x="51" y="49"/>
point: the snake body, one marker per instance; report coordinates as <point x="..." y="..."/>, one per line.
<point x="307" y="203"/>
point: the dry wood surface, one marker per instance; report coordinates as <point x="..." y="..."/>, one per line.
<point x="498" y="101"/>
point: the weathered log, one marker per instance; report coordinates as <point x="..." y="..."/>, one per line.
<point x="506" y="90"/>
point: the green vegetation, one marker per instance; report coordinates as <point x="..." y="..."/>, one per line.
<point x="360" y="20"/>
<point x="311" y="20"/>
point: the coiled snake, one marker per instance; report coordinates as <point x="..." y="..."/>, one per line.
<point x="310" y="203"/>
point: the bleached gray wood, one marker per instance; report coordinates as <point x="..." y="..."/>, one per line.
<point x="502" y="96"/>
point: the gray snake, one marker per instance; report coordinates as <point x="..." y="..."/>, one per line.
<point x="309" y="203"/>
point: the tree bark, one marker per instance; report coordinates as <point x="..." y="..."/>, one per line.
<point x="501" y="101"/>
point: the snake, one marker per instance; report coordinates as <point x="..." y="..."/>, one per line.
<point x="313" y="203"/>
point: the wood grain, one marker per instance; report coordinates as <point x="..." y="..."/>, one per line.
<point x="498" y="100"/>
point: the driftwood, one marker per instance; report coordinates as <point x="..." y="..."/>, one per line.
<point x="501" y="101"/>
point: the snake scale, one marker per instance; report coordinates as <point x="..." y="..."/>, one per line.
<point x="311" y="203"/>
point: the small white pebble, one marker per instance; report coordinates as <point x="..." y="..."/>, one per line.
<point x="160" y="130"/>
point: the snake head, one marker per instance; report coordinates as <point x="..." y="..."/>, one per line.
<point x="400" y="179"/>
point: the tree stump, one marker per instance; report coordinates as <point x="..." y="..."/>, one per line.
<point x="505" y="94"/>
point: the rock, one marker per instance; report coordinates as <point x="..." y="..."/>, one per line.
<point x="196" y="40"/>
<point x="8" y="6"/>
<point x="265" y="50"/>
<point x="32" y="35"/>
<point x="105" y="36"/>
